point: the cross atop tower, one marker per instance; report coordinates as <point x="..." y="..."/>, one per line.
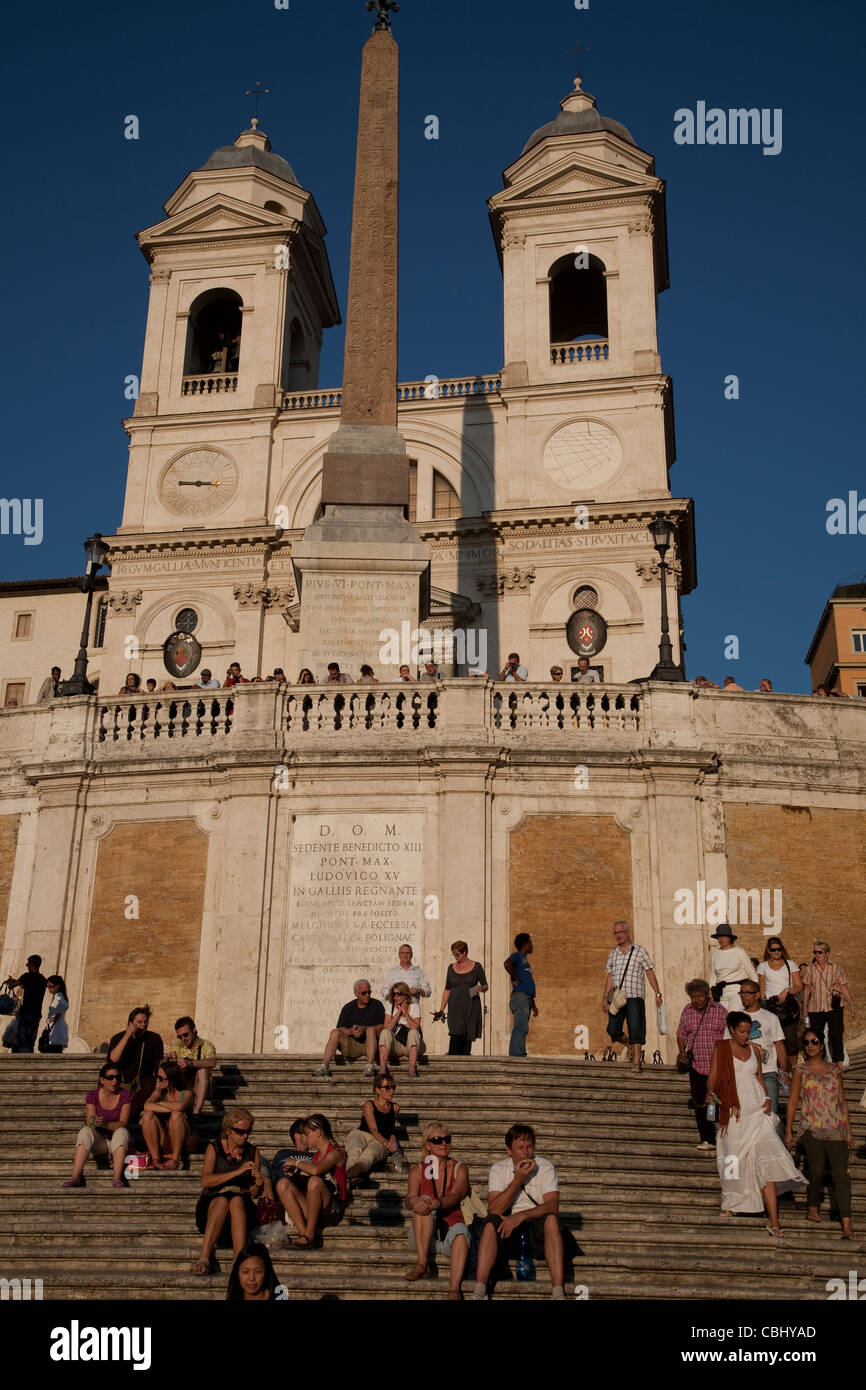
<point x="576" y="52"/>
<point x="383" y="6"/>
<point x="258" y="92"/>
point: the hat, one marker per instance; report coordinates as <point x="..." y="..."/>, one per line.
<point x="723" y="930"/>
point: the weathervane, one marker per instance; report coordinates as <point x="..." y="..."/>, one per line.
<point x="383" y="6"/>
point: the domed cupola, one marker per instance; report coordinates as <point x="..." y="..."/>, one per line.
<point x="579" y="116"/>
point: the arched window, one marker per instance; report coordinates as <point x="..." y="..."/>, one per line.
<point x="446" y="502"/>
<point x="213" y="339"/>
<point x="271" y="206"/>
<point x="578" y="300"/>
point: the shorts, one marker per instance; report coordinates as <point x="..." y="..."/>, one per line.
<point x="352" y="1048"/>
<point x="509" y="1247"/>
<point x="634" y="1014"/>
<point x="441" y="1246"/>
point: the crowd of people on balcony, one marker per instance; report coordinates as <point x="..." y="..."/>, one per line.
<point x="426" y="672"/>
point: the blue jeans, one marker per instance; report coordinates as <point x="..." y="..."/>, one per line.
<point x="27" y="1027"/>
<point x="520" y="1005"/>
<point x="771" y="1081"/>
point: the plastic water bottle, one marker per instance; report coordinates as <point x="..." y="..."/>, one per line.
<point x="524" y="1268"/>
<point x="711" y="1111"/>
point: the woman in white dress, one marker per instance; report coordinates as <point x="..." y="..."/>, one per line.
<point x="730" y="967"/>
<point x="754" y="1165"/>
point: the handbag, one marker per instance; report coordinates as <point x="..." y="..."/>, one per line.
<point x="10" y="1036"/>
<point x="7" y="1001"/>
<point x="268" y="1211"/>
<point x="684" y="1064"/>
<point x="471" y="1206"/>
<point x="786" y="1013"/>
<point x="617" y="998"/>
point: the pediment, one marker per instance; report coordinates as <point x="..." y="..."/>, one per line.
<point x="218" y="213"/>
<point x="570" y="177"/>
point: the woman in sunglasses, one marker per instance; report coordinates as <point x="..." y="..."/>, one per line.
<point x="780" y="984"/>
<point x="165" y="1118"/>
<point x="825" y="1127"/>
<point x="106" y="1116"/>
<point x="232" y="1183"/>
<point x="437" y="1186"/>
<point x="825" y="994"/>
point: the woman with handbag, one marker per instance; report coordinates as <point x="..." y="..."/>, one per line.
<point x="437" y="1186"/>
<point x="730" y="967"/>
<point x="232" y="1183"/>
<point x="702" y="1024"/>
<point x="780" y="984"/>
<point x="55" y="1035"/>
<point x="401" y="1036"/>
<point x="825" y="1127"/>
<point x="825" y="993"/>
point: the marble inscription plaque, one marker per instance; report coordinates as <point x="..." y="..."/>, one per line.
<point x="342" y="616"/>
<point x="356" y="893"/>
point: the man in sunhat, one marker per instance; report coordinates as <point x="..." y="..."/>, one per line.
<point x="730" y="967"/>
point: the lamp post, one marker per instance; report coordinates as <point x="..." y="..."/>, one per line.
<point x="78" y="684"/>
<point x="665" y="669"/>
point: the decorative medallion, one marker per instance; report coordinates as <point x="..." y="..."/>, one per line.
<point x="181" y="654"/>
<point x="582" y="456"/>
<point x="198" y="482"/>
<point x="586" y="632"/>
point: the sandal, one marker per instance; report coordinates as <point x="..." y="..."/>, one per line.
<point x="204" y="1266"/>
<point x="418" y="1271"/>
<point x="169" y="1165"/>
<point x="818" y="1220"/>
<point x="776" y="1231"/>
<point x="302" y="1243"/>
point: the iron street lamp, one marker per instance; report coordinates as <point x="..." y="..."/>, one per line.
<point x="665" y="669"/>
<point x="78" y="684"/>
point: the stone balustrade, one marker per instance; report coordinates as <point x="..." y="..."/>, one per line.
<point x="210" y="384"/>
<point x="446" y="388"/>
<point x="592" y="709"/>
<point x="134" y="720"/>
<point x="567" y="354"/>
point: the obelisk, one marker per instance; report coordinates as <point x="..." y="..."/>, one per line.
<point x="360" y="566"/>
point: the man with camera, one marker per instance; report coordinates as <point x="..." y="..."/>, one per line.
<point x="627" y="968"/>
<point x="512" y="670"/>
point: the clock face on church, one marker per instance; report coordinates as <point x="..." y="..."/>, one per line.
<point x="581" y="456"/>
<point x="198" y="482"/>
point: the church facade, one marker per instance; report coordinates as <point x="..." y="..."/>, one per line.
<point x="245" y="854"/>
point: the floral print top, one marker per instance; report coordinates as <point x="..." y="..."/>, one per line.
<point x="821" y="1103"/>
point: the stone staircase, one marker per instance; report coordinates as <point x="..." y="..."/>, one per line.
<point x="642" y="1203"/>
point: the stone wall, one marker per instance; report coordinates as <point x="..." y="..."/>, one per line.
<point x="151" y="959"/>
<point x="8" y="845"/>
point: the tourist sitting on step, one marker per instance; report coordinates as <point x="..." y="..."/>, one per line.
<point x="401" y="1036"/>
<point x="522" y="1192"/>
<point x="106" y="1117"/>
<point x="754" y="1165"/>
<point x="321" y="1201"/>
<point x="357" y="1031"/>
<point x="165" y="1118"/>
<point x="138" y="1053"/>
<point x="284" y="1160"/>
<point x="196" y="1058"/>
<point x="232" y="1183"/>
<point x="375" y="1139"/>
<point x="253" y="1278"/>
<point x="437" y="1186"/>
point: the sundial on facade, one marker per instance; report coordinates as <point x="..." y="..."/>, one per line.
<point x="583" y="452"/>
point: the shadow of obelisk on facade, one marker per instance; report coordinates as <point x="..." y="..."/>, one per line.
<point x="360" y="567"/>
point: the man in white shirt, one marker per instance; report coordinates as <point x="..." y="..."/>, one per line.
<point x="208" y="681"/>
<point x="767" y="1033"/>
<point x="412" y="975"/>
<point x="521" y="1190"/>
<point x="48" y="688"/>
<point x="512" y="670"/>
<point x="585" y="674"/>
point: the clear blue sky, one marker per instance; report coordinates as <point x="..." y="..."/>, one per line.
<point x="766" y="253"/>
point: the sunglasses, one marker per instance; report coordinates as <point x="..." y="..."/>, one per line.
<point x="775" y="950"/>
<point x="811" y="1042"/>
<point x="439" y="1139"/>
<point x="385" y="1086"/>
<point x="363" y="991"/>
<point x="111" y="1076"/>
<point x="237" y="1130"/>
